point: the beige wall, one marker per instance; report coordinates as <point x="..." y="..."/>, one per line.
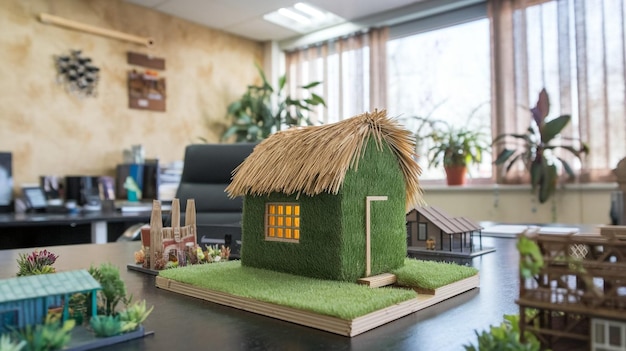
<point x="577" y="204"/>
<point x="52" y="132"/>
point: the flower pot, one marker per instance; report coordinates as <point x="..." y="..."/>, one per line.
<point x="455" y="175"/>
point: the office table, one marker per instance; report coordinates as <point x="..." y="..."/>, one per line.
<point x="186" y="323"/>
<point x="98" y="222"/>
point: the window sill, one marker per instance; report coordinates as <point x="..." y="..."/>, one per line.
<point x="516" y="187"/>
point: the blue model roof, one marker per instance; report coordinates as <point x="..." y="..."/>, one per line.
<point x="35" y="286"/>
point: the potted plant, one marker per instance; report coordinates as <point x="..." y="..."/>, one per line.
<point x="535" y="149"/>
<point x="454" y="147"/>
<point x="263" y="110"/>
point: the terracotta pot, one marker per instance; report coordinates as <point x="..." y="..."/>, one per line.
<point x="455" y="175"/>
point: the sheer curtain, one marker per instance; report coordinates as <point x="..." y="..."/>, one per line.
<point x="352" y="69"/>
<point x="575" y="49"/>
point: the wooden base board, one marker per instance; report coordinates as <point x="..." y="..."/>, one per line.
<point x="448" y="291"/>
<point x="331" y="324"/>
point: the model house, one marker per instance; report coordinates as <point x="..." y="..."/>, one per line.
<point x="432" y="228"/>
<point x="314" y="195"/>
<point x="27" y="300"/>
<point x="170" y="241"/>
<point x="577" y="298"/>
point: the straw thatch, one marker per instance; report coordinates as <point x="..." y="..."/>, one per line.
<point x="312" y="160"/>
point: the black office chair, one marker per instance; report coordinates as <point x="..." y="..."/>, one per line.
<point x="207" y="171"/>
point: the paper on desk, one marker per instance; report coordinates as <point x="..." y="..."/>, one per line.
<point x="558" y="230"/>
<point x="512" y="230"/>
<point x="505" y="230"/>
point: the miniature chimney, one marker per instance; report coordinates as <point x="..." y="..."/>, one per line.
<point x="190" y="218"/>
<point x="156" y="226"/>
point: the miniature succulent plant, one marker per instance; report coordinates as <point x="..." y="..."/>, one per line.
<point x="51" y="335"/>
<point x="37" y="262"/>
<point x="105" y="326"/>
<point x="134" y="315"/>
<point x="6" y="344"/>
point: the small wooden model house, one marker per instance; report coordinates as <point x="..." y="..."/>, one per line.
<point x="166" y="241"/>
<point x="26" y="300"/>
<point x="312" y="195"/>
<point x="431" y="225"/>
<point x="577" y="299"/>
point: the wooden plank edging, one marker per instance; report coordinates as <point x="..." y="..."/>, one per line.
<point x="449" y="291"/>
<point x="331" y="324"/>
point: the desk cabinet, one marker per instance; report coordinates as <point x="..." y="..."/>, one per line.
<point x="39" y="230"/>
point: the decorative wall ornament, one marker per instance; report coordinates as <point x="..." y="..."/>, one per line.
<point x="77" y="74"/>
<point x="146" y="88"/>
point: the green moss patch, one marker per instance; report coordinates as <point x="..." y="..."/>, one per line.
<point x="430" y="274"/>
<point x="331" y="298"/>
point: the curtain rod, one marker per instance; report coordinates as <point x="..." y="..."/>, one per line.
<point x="59" y="21"/>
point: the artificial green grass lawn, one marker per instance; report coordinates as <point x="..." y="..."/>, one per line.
<point x="430" y="274"/>
<point x="327" y="297"/>
<point x="343" y="300"/>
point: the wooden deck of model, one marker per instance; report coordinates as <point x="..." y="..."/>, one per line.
<point x="331" y="324"/>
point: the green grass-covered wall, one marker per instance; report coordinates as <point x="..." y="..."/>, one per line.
<point x="378" y="175"/>
<point x="332" y="239"/>
<point x="317" y="253"/>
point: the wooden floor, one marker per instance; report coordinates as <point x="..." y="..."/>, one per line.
<point x="331" y="324"/>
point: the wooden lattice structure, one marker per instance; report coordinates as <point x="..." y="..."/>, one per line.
<point x="582" y="281"/>
<point x="171" y="240"/>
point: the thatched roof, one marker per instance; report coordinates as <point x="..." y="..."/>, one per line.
<point x="312" y="160"/>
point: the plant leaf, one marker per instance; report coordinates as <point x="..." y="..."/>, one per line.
<point x="536" y="173"/>
<point x="568" y="169"/>
<point x="311" y="85"/>
<point x="542" y="108"/>
<point x="504" y="155"/>
<point x="548" y="183"/>
<point x="517" y="157"/>
<point x="318" y="99"/>
<point x="553" y="127"/>
<point x="282" y="81"/>
<point x="261" y="73"/>
<point x="234" y="107"/>
<point x="512" y="135"/>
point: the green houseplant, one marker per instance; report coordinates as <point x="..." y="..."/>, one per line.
<point x="535" y="149"/>
<point x="263" y="110"/>
<point x="454" y="147"/>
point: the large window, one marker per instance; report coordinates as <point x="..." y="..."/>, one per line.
<point x="349" y="69"/>
<point x="282" y="222"/>
<point x="575" y="49"/>
<point x="345" y="78"/>
<point x="482" y="66"/>
<point x="444" y="74"/>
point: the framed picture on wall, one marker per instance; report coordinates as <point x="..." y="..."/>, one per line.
<point x="6" y="182"/>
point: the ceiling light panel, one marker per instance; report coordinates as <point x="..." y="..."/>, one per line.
<point x="303" y="18"/>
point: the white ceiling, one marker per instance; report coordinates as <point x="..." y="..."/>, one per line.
<point x="245" y="17"/>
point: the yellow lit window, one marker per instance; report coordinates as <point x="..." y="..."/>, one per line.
<point x="282" y="222"/>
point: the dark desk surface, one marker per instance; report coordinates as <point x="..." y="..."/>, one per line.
<point x="181" y="322"/>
